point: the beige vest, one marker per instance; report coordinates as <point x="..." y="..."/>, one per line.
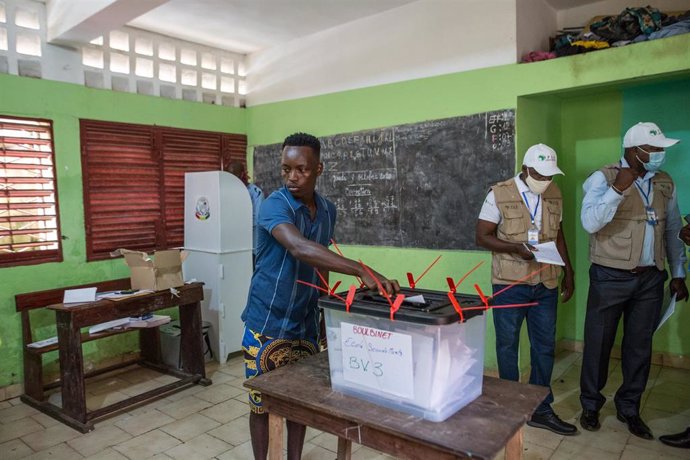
<point x="619" y="243"/>
<point x="515" y="221"/>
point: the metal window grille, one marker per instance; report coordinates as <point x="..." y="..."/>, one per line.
<point x="29" y="226"/>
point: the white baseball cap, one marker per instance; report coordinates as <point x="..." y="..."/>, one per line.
<point x="542" y="158"/>
<point x="647" y="133"/>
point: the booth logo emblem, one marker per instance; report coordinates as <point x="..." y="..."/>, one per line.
<point x="203" y="210"/>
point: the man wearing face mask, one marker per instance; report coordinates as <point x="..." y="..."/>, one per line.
<point x="631" y="213"/>
<point x="517" y="214"/>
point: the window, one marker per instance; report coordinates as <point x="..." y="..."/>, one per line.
<point x="29" y="228"/>
<point x="134" y="181"/>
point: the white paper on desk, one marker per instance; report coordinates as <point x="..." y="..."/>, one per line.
<point x="547" y="253"/>
<point x="667" y="308"/>
<point x="79" y="295"/>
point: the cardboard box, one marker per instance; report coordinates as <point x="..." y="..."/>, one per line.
<point x="163" y="270"/>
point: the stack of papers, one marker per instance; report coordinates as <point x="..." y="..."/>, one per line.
<point x="132" y="322"/>
<point x="547" y="253"/>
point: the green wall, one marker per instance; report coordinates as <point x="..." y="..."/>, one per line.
<point x="551" y="98"/>
<point x="65" y="104"/>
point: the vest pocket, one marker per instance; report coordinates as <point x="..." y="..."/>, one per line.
<point x="614" y="241"/>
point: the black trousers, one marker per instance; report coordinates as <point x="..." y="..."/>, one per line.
<point x="637" y="297"/>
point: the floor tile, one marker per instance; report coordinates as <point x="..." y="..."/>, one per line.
<point x="107" y="454"/>
<point x="147" y="445"/>
<point x="19" y="428"/>
<point x="202" y="447"/>
<point x="218" y="393"/>
<point x="14" y="449"/>
<point x="185" y="407"/>
<point x="98" y="440"/>
<point x="15" y="412"/>
<point x="56" y="434"/>
<point x="58" y="452"/>
<point x="241" y="452"/>
<point x="235" y="432"/>
<point x="227" y="411"/>
<point x="142" y="423"/>
<point x="190" y="427"/>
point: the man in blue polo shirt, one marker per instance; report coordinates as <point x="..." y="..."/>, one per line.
<point x="281" y="318"/>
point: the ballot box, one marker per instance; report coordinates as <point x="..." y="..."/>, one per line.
<point x="426" y="361"/>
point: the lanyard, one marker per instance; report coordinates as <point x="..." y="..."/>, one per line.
<point x="645" y="195"/>
<point x="531" y="215"/>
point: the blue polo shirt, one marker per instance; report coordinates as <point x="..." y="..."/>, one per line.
<point x="278" y="306"/>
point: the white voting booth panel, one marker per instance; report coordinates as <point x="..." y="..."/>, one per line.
<point x="218" y="238"/>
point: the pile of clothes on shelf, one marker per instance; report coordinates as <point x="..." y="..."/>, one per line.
<point x="632" y="25"/>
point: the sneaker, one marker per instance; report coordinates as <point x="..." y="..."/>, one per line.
<point x="550" y="421"/>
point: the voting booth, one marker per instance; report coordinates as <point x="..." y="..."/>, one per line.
<point x="426" y="361"/>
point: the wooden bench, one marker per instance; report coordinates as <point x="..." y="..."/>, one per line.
<point x="71" y="321"/>
<point x="34" y="386"/>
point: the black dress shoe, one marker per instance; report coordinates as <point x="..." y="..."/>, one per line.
<point x="550" y="421"/>
<point x="636" y="426"/>
<point x="681" y="440"/>
<point x="589" y="420"/>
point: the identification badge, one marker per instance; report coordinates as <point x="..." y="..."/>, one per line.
<point x="651" y="216"/>
<point x="533" y="236"/>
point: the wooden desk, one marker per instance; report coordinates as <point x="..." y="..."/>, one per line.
<point x="70" y="320"/>
<point x="302" y="393"/>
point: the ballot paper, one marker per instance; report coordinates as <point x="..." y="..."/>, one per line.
<point x="667" y="308"/>
<point x="418" y="299"/>
<point x="547" y="253"/>
<point x="79" y="295"/>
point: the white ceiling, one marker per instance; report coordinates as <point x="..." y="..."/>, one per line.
<point x="245" y="26"/>
<point x="241" y="26"/>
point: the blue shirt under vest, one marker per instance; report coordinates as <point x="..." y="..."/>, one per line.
<point x="278" y="306"/>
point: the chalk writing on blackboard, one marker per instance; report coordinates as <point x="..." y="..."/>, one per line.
<point x="414" y="185"/>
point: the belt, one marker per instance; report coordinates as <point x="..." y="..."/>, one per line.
<point x="640" y="270"/>
<point x="634" y="271"/>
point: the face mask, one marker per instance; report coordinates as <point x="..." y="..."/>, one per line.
<point x="536" y="186"/>
<point x="656" y="160"/>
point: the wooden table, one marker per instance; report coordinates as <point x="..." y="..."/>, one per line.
<point x="70" y="320"/>
<point x="302" y="393"/>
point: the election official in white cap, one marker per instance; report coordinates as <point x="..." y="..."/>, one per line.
<point x="518" y="214"/>
<point x="631" y="213"/>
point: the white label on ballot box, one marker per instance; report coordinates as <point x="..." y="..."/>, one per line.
<point x="378" y="359"/>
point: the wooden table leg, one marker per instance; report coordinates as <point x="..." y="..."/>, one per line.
<point x="71" y="368"/>
<point x="344" y="449"/>
<point x="192" y="342"/>
<point x="514" y="446"/>
<point x="275" y="436"/>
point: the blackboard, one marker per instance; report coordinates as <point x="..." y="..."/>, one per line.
<point x="416" y="185"/>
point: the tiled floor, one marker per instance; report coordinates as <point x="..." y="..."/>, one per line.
<point x="212" y="422"/>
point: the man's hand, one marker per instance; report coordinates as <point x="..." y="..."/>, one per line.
<point x="625" y="178"/>
<point x="679" y="288"/>
<point x="685" y="234"/>
<point x="391" y="286"/>
<point x="567" y="287"/>
<point x="524" y="253"/>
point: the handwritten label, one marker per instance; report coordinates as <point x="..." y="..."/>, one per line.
<point x="378" y="359"/>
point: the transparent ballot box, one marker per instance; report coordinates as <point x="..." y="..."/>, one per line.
<point x="426" y="361"/>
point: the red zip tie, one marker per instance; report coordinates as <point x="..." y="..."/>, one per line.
<point x="320" y="289"/>
<point x="468" y="274"/>
<point x="456" y="305"/>
<point x="361" y="283"/>
<point x="485" y="301"/>
<point x="335" y="286"/>
<point x="395" y="306"/>
<point x="411" y="279"/>
<point x="451" y="284"/>
<point x="350" y="298"/>
<point x="521" y="280"/>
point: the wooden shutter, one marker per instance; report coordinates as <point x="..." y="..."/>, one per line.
<point x="29" y="225"/>
<point x="134" y="181"/>
<point x="122" y="188"/>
